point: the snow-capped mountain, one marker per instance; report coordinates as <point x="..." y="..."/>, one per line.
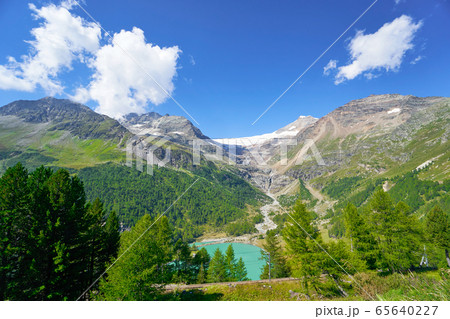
<point x="289" y="131"/>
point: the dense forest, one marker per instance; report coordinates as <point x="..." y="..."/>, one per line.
<point x="216" y="199"/>
<point x="57" y="245"/>
<point x="53" y="243"/>
<point x="421" y="196"/>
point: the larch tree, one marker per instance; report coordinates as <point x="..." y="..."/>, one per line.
<point x="438" y="230"/>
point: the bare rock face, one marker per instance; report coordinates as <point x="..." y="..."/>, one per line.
<point x="375" y="129"/>
<point x="360" y="134"/>
<point x="177" y="129"/>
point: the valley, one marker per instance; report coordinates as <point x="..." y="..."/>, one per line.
<point x="376" y="137"/>
<point x="242" y="188"/>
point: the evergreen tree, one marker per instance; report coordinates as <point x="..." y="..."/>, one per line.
<point x="112" y="236"/>
<point x="200" y="263"/>
<point x="201" y="277"/>
<point x="240" y="271"/>
<point x="183" y="262"/>
<point x="397" y="232"/>
<point x="362" y="242"/>
<point x="217" y="271"/>
<point x="140" y="274"/>
<point x="341" y="258"/>
<point x="95" y="244"/>
<point x="13" y="228"/>
<point x="438" y="230"/>
<point x="50" y="240"/>
<point x="230" y="264"/>
<point x="278" y="267"/>
<point x="305" y="256"/>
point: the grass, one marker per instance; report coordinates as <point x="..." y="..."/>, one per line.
<point x="427" y="285"/>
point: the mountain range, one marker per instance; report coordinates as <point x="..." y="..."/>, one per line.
<point x="377" y="137"/>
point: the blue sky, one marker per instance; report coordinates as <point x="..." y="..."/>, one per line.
<point x="225" y="62"/>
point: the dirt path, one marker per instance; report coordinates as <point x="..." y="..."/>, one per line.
<point x="233" y="283"/>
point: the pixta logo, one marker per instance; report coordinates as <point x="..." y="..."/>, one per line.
<point x="240" y="152"/>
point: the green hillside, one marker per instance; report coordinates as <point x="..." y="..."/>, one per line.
<point x="217" y="198"/>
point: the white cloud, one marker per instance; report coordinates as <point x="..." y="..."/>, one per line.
<point x="384" y="49"/>
<point x="59" y="40"/>
<point x="119" y="84"/>
<point x="330" y="66"/>
<point x="416" y="59"/>
<point x="122" y="84"/>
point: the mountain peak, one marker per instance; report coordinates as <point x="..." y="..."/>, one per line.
<point x="177" y="128"/>
<point x="65" y="114"/>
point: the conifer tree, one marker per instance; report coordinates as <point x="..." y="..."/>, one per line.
<point x="305" y="256"/>
<point x="112" y="236"/>
<point x="217" y="271"/>
<point x="182" y="262"/>
<point x="95" y="241"/>
<point x="201" y="277"/>
<point x="13" y="226"/>
<point x="140" y="274"/>
<point x="51" y="242"/>
<point x="438" y="230"/>
<point x="278" y="267"/>
<point x="362" y="242"/>
<point x="396" y="231"/>
<point x="230" y="264"/>
<point x="240" y="271"/>
<point x="200" y="263"/>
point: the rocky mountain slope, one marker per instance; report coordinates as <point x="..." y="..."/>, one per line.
<point x="374" y="135"/>
<point x="61" y="133"/>
<point x="178" y="129"/>
<point x="378" y="136"/>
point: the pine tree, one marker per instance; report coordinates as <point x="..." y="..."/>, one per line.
<point x="200" y="264"/>
<point x="50" y="240"/>
<point x="112" y="236"/>
<point x="362" y="242"/>
<point x="13" y="226"/>
<point x="396" y="231"/>
<point x="217" y="268"/>
<point x="94" y="239"/>
<point x="230" y="264"/>
<point x="140" y="274"/>
<point x="201" y="277"/>
<point x="240" y="271"/>
<point x="182" y="262"/>
<point x="438" y="230"/>
<point x="278" y="265"/>
<point x="306" y="257"/>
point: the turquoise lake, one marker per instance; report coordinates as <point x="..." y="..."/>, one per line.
<point x="250" y="255"/>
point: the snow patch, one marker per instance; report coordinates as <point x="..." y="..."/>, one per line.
<point x="258" y="139"/>
<point x="396" y="110"/>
